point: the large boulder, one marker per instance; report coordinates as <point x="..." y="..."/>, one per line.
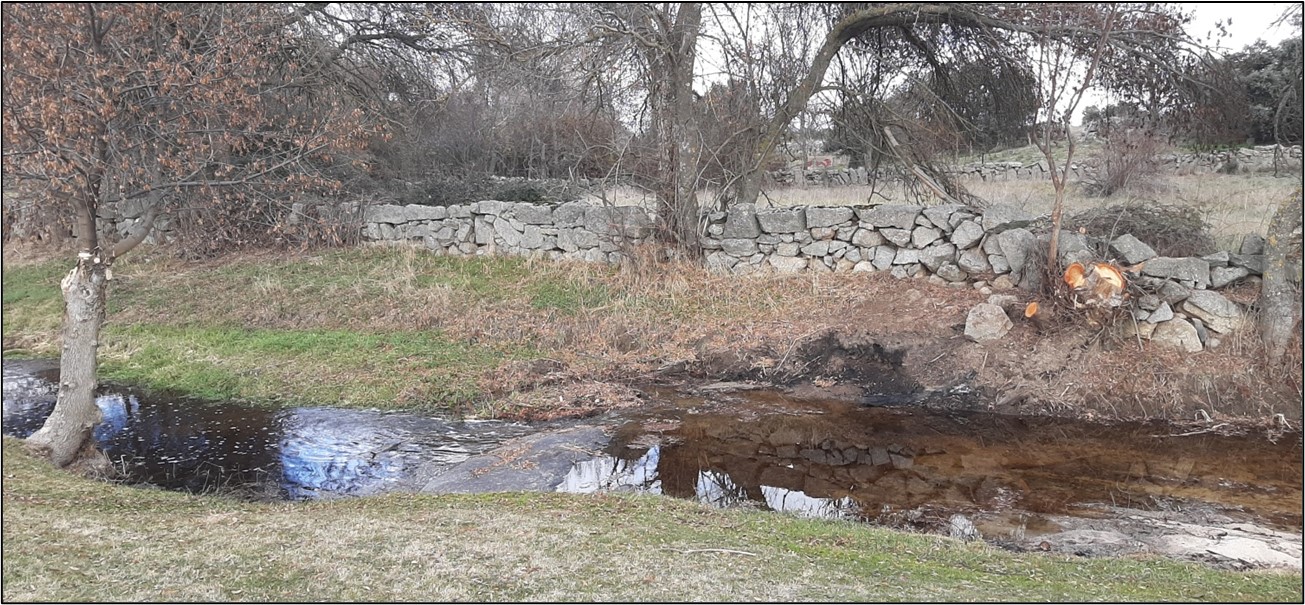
<point x="385" y="213"/>
<point x="787" y="264"/>
<point x="533" y="214"/>
<point x="1190" y="271"/>
<point x="923" y="236"/>
<point x="629" y="221"/>
<point x="966" y="234"/>
<point x="739" y="247"/>
<point x="1131" y="250"/>
<point x="1222" y="276"/>
<point x="986" y="322"/>
<point x="570" y="214"/>
<point x="936" y="255"/>
<point x="883" y="258"/>
<point x="867" y="238"/>
<point x="899" y="237"/>
<point x="827" y="217"/>
<point x="941" y="215"/>
<point x="1017" y="245"/>
<point x="974" y="261"/>
<point x="1000" y="217"/>
<point x="741" y="222"/>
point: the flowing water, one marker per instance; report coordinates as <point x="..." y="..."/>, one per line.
<point x="902" y="466"/>
<point x="296" y="453"/>
<point x="915" y="467"/>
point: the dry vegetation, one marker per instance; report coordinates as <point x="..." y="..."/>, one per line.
<point x="396" y="327"/>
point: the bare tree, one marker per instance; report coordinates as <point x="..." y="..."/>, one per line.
<point x="1058" y="65"/>
<point x="162" y="105"/>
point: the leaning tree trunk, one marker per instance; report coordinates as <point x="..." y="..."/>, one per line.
<point x="1279" y="306"/>
<point x="68" y="429"/>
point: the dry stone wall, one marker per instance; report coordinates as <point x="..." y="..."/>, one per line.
<point x="1000" y="247"/>
<point x="573" y="231"/>
<point x="1241" y="161"/>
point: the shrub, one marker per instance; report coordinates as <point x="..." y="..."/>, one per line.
<point x="1128" y="161"/>
<point x="1169" y="229"/>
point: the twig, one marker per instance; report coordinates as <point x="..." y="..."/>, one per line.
<point x="721" y="550"/>
<point x="1188" y="434"/>
<point x="790" y="348"/>
<point x="1136" y="332"/>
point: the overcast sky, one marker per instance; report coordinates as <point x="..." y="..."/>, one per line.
<point x="1250" y="21"/>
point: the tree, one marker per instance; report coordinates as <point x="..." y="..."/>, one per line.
<point x="171" y="106"/>
<point x="1280" y="299"/>
<point x="1141" y="35"/>
<point x="1271" y="77"/>
<point x="1058" y="64"/>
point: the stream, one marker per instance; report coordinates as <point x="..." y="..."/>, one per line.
<point x="1019" y="482"/>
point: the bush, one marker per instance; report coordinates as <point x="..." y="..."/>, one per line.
<point x="1169" y="229"/>
<point x="1128" y="161"/>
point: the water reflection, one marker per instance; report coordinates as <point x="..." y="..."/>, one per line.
<point x="712" y="487"/>
<point x="607" y="473"/>
<point x="297" y="453"/>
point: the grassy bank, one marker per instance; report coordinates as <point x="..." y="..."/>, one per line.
<point x="70" y="539"/>
<point x="399" y="328"/>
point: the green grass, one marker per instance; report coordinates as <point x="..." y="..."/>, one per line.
<point x="350" y="328"/>
<point x="299" y="366"/>
<point x="71" y="539"/>
<point x="569" y="296"/>
<point x="32" y="304"/>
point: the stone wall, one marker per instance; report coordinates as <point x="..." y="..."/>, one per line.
<point x="574" y="230"/>
<point x="995" y="248"/>
<point x="1241" y="161"/>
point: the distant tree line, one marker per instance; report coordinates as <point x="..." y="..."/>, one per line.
<point x="1253" y="96"/>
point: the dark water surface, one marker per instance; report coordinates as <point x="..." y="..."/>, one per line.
<point x="295" y="453"/>
<point x="902" y="466"/>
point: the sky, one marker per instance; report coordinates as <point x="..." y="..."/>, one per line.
<point x="1250" y="21"/>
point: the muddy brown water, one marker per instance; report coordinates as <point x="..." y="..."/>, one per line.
<point x="901" y="466"/>
<point x="917" y="467"/>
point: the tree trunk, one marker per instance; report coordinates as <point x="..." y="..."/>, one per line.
<point x="68" y="429"/>
<point x="678" y="215"/>
<point x="1279" y="305"/>
<point x="749" y="186"/>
